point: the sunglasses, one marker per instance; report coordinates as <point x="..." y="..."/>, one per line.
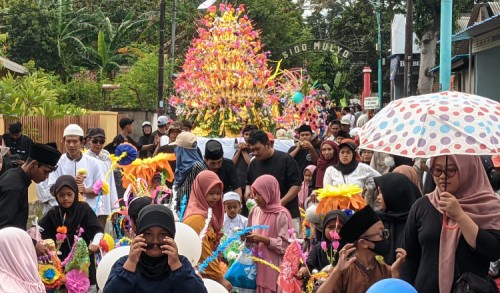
<point x="98" y="141"/>
<point x="436" y="172"/>
<point x="384" y="235"/>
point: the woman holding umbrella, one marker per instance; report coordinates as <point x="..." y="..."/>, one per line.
<point x="463" y="200"/>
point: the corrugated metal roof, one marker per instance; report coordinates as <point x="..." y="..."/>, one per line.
<point x="495" y="7"/>
<point x="462" y="22"/>
<point x="453" y="60"/>
<point x="478" y="28"/>
<point x="13" y="66"/>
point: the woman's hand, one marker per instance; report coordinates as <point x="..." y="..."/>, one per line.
<point x="449" y="204"/>
<point x="137" y="247"/>
<point x="344" y="260"/>
<point x="256" y="238"/>
<point x="170" y="249"/>
<point x="302" y="273"/>
<point x="396" y="266"/>
<point x="93" y="248"/>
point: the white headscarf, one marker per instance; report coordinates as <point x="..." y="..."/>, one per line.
<point x="18" y="263"/>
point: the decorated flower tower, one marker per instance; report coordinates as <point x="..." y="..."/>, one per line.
<point x="226" y="81"/>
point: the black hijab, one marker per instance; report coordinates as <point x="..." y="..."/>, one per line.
<point x="155" y="268"/>
<point x="349" y="168"/>
<point x="318" y="258"/>
<point x="399" y="195"/>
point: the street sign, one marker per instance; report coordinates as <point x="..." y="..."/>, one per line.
<point x="371" y="103"/>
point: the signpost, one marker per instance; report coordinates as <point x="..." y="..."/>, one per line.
<point x="371" y="103"/>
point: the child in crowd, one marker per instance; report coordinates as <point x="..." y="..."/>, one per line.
<point x="72" y="215"/>
<point x="206" y="193"/>
<point x="232" y="218"/>
<point x="269" y="244"/>
<point x="307" y="185"/>
<point x="357" y="268"/>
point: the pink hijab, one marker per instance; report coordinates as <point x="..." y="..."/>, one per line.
<point x="268" y="187"/>
<point x="198" y="204"/>
<point x="18" y="263"/>
<point x="411" y="173"/>
<point x="304" y="190"/>
<point x="477" y="199"/>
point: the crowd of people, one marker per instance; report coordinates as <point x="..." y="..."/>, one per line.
<point x="432" y="222"/>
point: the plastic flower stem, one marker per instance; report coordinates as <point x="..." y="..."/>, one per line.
<point x="98" y="200"/>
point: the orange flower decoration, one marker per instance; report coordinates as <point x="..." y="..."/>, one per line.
<point x="346" y="196"/>
<point x="62" y="230"/>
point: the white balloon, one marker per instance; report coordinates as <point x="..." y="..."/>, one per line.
<point x="214" y="287"/>
<point x="107" y="263"/>
<point x="188" y="242"/>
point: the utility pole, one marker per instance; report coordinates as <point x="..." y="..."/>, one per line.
<point x="379" y="45"/>
<point x="445" y="45"/>
<point x="161" y="58"/>
<point x="172" y="49"/>
<point x="408" y="48"/>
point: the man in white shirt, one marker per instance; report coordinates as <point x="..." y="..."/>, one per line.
<point x="349" y="116"/>
<point x="73" y="161"/>
<point x="97" y="138"/>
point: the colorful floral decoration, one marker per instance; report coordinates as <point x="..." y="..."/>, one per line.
<point x="344" y="196"/>
<point x="61" y="235"/>
<point x="77" y="281"/>
<point x="144" y="169"/>
<point x="225" y="81"/>
<point x="289" y="268"/>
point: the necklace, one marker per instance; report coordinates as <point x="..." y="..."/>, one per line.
<point x="367" y="270"/>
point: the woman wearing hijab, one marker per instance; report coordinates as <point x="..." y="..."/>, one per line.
<point x="269" y="244"/>
<point x="454" y="229"/>
<point x="349" y="171"/>
<point x="411" y="173"/>
<point x="396" y="195"/>
<point x="73" y="215"/>
<point x="154" y="263"/>
<point x="18" y="263"/>
<point x="307" y="185"/>
<point x="188" y="164"/>
<point x="207" y="193"/>
<point x="329" y="156"/>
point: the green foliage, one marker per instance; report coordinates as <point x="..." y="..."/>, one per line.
<point x="29" y="36"/>
<point x="34" y="95"/>
<point x="139" y="85"/>
<point x="83" y="90"/>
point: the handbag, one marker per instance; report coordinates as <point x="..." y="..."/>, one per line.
<point x="243" y="272"/>
<point x="469" y="282"/>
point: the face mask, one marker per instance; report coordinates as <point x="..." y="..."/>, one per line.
<point x="382" y="247"/>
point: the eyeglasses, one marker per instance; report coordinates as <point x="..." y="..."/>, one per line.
<point x="384" y="234"/>
<point x="449" y="172"/>
<point x="98" y="141"/>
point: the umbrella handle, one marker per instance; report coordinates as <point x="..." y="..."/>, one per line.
<point x="446" y="225"/>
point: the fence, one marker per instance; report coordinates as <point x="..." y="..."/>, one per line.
<point x="43" y="130"/>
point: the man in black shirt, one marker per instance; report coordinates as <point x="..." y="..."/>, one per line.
<point x="18" y="143"/>
<point x="124" y="136"/>
<point x="304" y="152"/>
<point x="278" y="164"/>
<point x="224" y="168"/>
<point x="14" y="183"/>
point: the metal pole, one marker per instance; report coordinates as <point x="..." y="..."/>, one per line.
<point x="161" y="57"/>
<point x="379" y="56"/>
<point x="408" y="49"/>
<point x="172" y="47"/>
<point x="471" y="91"/>
<point x="445" y="45"/>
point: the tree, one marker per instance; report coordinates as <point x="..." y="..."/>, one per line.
<point x="138" y="86"/>
<point x="29" y="38"/>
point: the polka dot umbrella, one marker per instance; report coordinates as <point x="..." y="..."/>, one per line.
<point x="435" y="124"/>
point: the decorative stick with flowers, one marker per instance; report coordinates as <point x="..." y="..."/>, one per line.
<point x="82" y="173"/>
<point x="62" y="231"/>
<point x="335" y="244"/>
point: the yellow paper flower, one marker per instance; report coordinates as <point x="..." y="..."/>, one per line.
<point x="81" y="171"/>
<point x="345" y="196"/>
<point x="105" y="188"/>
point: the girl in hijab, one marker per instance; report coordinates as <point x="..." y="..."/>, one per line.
<point x="454" y="229"/>
<point x="318" y="257"/>
<point x="207" y="193"/>
<point x="349" y="171"/>
<point x="269" y="244"/>
<point x="329" y="156"/>
<point x="188" y="164"/>
<point x="306" y="189"/>
<point x="154" y="263"/>
<point x="73" y="215"/>
<point x="396" y="195"/>
<point x="18" y="263"/>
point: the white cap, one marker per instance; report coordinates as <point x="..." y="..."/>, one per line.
<point x="345" y="121"/>
<point x="162" y="120"/>
<point x="231" y="195"/>
<point x="73" y="129"/>
<point x="146" y="123"/>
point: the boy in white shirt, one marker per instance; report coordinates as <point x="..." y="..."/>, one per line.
<point x="232" y="218"/>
